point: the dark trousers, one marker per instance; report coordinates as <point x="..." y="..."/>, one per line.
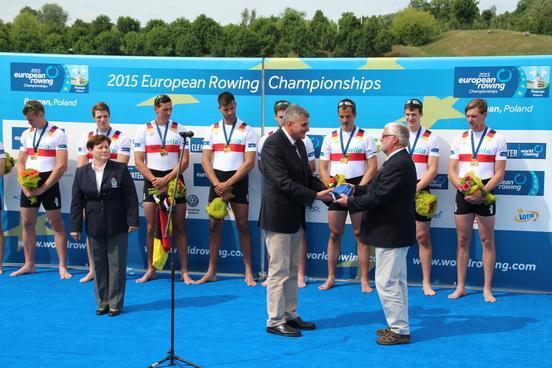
<point x="110" y="259"/>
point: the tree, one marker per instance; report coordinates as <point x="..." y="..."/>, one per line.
<point x="108" y="42"/>
<point x="53" y="16"/>
<point x="414" y="27"/>
<point x="101" y="24"/>
<point x="128" y="24"/>
<point x="208" y="35"/>
<point x="349" y="35"/>
<point x="5" y="44"/>
<point x="267" y="33"/>
<point x="55" y="44"/>
<point x="375" y="40"/>
<point x="488" y="15"/>
<point x="441" y="10"/>
<point x="152" y="23"/>
<point x="179" y="29"/>
<point x="133" y="43"/>
<point x="324" y="33"/>
<point x="27" y="33"/>
<point x="296" y="36"/>
<point x="465" y="12"/>
<point x="158" y="42"/>
<point x="240" y="41"/>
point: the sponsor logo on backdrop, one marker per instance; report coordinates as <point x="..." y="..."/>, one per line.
<point x="501" y="81"/>
<point x="16" y="137"/>
<point x="49" y="77"/>
<point x="440" y="182"/>
<point x="526" y="216"/>
<point x="530" y="183"/>
<point x="200" y="178"/>
<point x="193" y="202"/>
<point x="135" y="173"/>
<point x="527" y="150"/>
<point x="316" y="143"/>
<point x="314" y="209"/>
<point x="196" y="145"/>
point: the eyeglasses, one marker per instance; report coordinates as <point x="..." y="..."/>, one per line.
<point x="31" y="106"/>
<point x="161" y="99"/>
<point x="346" y="103"/>
<point x="282" y="103"/>
<point x="383" y="136"/>
<point x="414" y="101"/>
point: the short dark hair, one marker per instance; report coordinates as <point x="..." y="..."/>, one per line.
<point x="161" y="99"/>
<point x="100" y="106"/>
<point x="97" y="139"/>
<point x="33" y="105"/>
<point x="281" y="105"/>
<point x="225" y="98"/>
<point x="345" y="103"/>
<point x="480" y="103"/>
<point x="414" y="104"/>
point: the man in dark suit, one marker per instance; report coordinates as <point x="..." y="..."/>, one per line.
<point x="388" y="223"/>
<point x="289" y="185"/>
<point x="106" y="191"/>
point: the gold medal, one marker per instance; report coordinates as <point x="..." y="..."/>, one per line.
<point x="34" y="156"/>
<point x="163" y="151"/>
<point x="344" y="159"/>
<point x="226" y="148"/>
<point x="474" y="163"/>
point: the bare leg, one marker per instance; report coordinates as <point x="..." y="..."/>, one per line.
<point x="28" y="238"/>
<point x="486" y="234"/>
<point x="91" y="271"/>
<point x="215" y="234"/>
<point x="363" y="252"/>
<point x="181" y="239"/>
<point x="464" y="228"/>
<point x="54" y="218"/>
<point x="149" y="213"/>
<point x="241" y="212"/>
<point x="424" y="249"/>
<point x="301" y="282"/>
<point x="336" y="223"/>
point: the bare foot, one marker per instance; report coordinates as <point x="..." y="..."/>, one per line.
<point x="428" y="291"/>
<point x="488" y="295"/>
<point x="458" y="293"/>
<point x="301" y="283"/>
<point x="208" y="277"/>
<point x="249" y="280"/>
<point x="186" y="278"/>
<point x="265" y="282"/>
<point x="1" y="271"/>
<point x="149" y="275"/>
<point x="64" y="274"/>
<point x="330" y="282"/>
<point x="365" y="286"/>
<point x="89" y="277"/>
<point x="25" y="269"/>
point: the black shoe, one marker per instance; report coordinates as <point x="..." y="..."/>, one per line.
<point x="114" y="312"/>
<point x="102" y="311"/>
<point x="284" y="330"/>
<point x="299" y="324"/>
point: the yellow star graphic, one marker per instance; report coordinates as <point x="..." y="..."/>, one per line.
<point x="382" y="64"/>
<point x="41" y="229"/>
<point x="176" y="100"/>
<point x="283" y="63"/>
<point x="436" y="109"/>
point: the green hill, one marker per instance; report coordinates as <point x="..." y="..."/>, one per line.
<point x="479" y="43"/>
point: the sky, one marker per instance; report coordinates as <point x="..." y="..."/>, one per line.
<point x="223" y="11"/>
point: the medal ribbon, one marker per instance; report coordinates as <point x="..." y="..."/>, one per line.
<point x="36" y="144"/>
<point x="164" y="136"/>
<point x="411" y="149"/>
<point x="227" y="138"/>
<point x="476" y="150"/>
<point x="346" y="148"/>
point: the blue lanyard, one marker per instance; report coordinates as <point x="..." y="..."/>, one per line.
<point x="227" y="139"/>
<point x="36" y="144"/>
<point x="346" y="148"/>
<point x="476" y="150"/>
<point x="411" y="149"/>
<point x="164" y="137"/>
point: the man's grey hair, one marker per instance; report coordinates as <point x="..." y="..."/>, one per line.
<point x="294" y="112"/>
<point x="400" y="131"/>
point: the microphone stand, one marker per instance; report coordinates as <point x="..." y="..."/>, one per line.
<point x="171" y="357"/>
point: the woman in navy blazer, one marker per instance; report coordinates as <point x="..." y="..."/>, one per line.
<point x="106" y="192"/>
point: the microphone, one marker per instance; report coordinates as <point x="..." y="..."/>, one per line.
<point x="188" y="134"/>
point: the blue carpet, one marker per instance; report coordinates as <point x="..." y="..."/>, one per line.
<point x="51" y="323"/>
